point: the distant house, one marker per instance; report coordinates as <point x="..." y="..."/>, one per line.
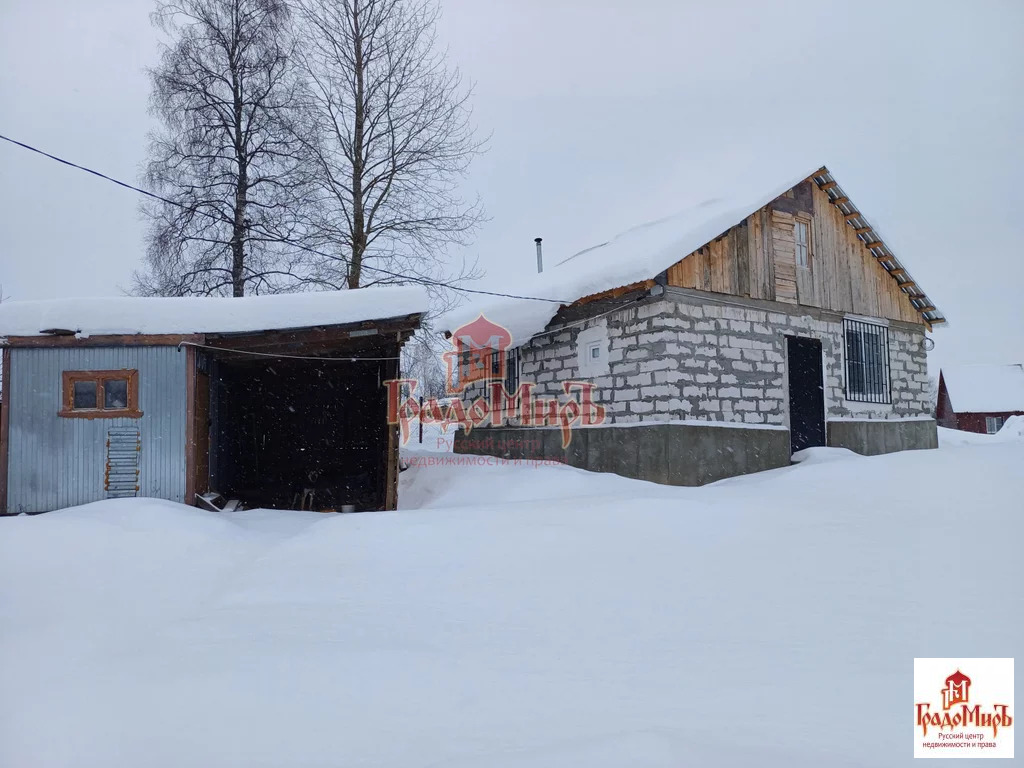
<point x="979" y="398"/>
<point x="771" y="318"/>
<point x="273" y="400"/>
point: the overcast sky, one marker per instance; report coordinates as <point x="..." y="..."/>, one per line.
<point x="603" y="114"/>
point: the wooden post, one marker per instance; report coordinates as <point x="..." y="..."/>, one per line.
<point x="421" y="419"/>
<point x="190" y="425"/>
<point x="5" y="423"/>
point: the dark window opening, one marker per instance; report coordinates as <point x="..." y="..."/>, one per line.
<point x="85" y="395"/>
<point x="512" y="370"/>
<point x="115" y="393"/>
<point x="867" y="362"/>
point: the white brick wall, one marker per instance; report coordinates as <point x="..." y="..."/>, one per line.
<point x="677" y="357"/>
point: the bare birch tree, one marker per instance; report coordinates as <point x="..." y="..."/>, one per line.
<point x="389" y="136"/>
<point x="226" y="154"/>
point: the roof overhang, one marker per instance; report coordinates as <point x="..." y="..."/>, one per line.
<point x="283" y="340"/>
<point x="873" y="241"/>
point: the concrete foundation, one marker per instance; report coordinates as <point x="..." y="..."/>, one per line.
<point x="874" y="437"/>
<point x="671" y="454"/>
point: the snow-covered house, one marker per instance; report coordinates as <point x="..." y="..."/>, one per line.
<point x="274" y="400"/>
<point x="771" y="318"/>
<point x="979" y="398"/>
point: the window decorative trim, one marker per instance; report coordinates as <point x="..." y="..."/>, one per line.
<point x="70" y="378"/>
<point x="866" y="348"/>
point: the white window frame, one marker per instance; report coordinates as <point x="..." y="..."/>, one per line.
<point x="589" y="339"/>
<point x="993" y="424"/>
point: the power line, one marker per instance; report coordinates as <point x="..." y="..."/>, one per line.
<point x="267" y="235"/>
<point x="348" y="359"/>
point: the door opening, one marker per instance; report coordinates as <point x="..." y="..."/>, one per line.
<point x="299" y="433"/>
<point x="806" y="393"/>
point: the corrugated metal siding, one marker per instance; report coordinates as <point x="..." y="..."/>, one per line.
<point x="57" y="462"/>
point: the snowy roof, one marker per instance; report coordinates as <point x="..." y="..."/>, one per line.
<point x="636" y="255"/>
<point x="136" y="315"/>
<point x="985" y="388"/>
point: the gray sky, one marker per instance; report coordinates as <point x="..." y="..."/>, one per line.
<point x="603" y="114"/>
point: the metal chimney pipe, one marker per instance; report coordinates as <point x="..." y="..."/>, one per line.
<point x="540" y="255"/>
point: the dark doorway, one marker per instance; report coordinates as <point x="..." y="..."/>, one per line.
<point x="806" y="393"/>
<point x="291" y="434"/>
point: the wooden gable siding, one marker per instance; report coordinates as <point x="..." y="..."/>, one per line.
<point x="757" y="258"/>
<point x="715" y="267"/>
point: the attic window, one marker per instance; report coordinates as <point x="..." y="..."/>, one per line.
<point x="802" y="236"/>
<point x="100" y="395"/>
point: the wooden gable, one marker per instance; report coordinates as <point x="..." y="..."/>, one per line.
<point x="849" y="269"/>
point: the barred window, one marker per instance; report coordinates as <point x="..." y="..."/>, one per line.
<point x="867" y="362"/>
<point x="512" y="370"/>
<point x="993" y="424"/>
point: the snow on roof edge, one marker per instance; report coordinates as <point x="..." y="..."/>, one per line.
<point x="525" y="319"/>
<point x="635" y="254"/>
<point x="133" y="315"/>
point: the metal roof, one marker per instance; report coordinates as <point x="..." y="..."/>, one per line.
<point x="874" y="242"/>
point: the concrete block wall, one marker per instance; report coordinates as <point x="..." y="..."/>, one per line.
<point x="671" y="454"/>
<point x="681" y="356"/>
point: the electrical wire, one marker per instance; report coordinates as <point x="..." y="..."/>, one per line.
<point x="272" y="238"/>
<point x="348" y="359"/>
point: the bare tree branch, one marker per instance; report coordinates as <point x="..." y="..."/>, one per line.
<point x="387" y="129"/>
<point x="225" y="92"/>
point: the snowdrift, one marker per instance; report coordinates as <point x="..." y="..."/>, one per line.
<point x="518" y="616"/>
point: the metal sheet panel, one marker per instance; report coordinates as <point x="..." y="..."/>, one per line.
<point x="124" y="447"/>
<point x="57" y="462"/>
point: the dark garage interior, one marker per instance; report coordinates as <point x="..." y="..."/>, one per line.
<point x="297" y="419"/>
<point x="298" y="434"/>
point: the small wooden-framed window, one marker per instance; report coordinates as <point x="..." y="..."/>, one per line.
<point x="100" y="394"/>
<point x="802" y="237"/>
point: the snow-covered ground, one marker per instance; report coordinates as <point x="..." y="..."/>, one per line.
<point x="514" y="616"/>
<point x="1012" y="429"/>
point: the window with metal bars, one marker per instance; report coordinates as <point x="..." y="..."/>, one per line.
<point x="512" y="370"/>
<point x="867" y="362"/>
